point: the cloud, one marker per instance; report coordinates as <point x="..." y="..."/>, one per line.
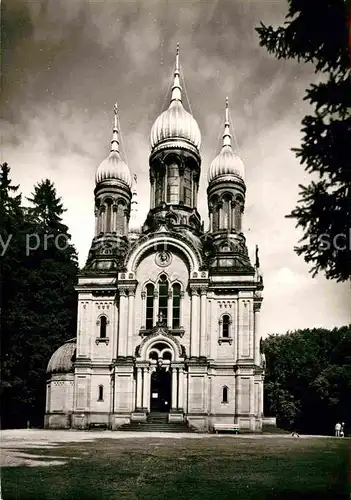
<point x="65" y="64"/>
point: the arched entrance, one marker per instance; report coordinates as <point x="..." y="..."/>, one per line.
<point x="161" y="389"/>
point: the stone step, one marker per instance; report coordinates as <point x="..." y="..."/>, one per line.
<point x="152" y="427"/>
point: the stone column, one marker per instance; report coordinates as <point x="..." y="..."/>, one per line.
<point x="152" y="195"/>
<point x="181" y="317"/>
<point x="174" y="388"/>
<point x="257" y="334"/>
<point x="123" y="323"/>
<point x="181" y="389"/>
<point x="155" y="306"/>
<point x="114" y="328"/>
<point x="103" y="219"/>
<point x="203" y="322"/>
<point x="146" y="387"/>
<point x="96" y="214"/>
<point x="194" y="339"/>
<point x="139" y="387"/>
<point x="220" y="216"/>
<point x="232" y="212"/>
<point x="114" y="219"/>
<point x="125" y="222"/>
<point x="237" y="397"/>
<point x="165" y="184"/>
<point x="170" y="309"/>
<point x="211" y="221"/>
<point x="261" y="408"/>
<point x="210" y="378"/>
<point x="143" y="310"/>
<point x="131" y="314"/>
<point x="252" y="395"/>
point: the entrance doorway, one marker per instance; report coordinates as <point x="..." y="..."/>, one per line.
<point x="161" y="390"/>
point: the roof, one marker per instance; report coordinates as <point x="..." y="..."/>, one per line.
<point x="63" y="358"/>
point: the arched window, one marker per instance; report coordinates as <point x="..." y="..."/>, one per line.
<point x="176" y="306"/>
<point x="149" y="306"/>
<point x="225" y="326"/>
<point x="103" y="324"/>
<point x="225" y="394"/>
<point x="108" y="225"/>
<point x="101" y="393"/>
<point x="163" y="298"/>
<point x="167" y="356"/>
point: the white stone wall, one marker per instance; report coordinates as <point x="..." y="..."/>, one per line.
<point x="59" y="393"/>
<point x="100" y="377"/>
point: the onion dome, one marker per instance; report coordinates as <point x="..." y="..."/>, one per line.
<point x="113" y="167"/>
<point x="63" y="358"/>
<point x="175" y="127"/>
<point x="227" y="162"/>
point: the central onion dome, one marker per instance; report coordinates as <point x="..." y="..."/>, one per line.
<point x="227" y="162"/>
<point x="113" y="167"/>
<point x="175" y="127"/>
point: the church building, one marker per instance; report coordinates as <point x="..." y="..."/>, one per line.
<point x="168" y="313"/>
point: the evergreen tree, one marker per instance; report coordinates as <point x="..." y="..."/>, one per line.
<point x="317" y="32"/>
<point x="41" y="310"/>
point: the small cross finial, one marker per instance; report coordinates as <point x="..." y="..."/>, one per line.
<point x="115" y="108"/>
<point x="227" y="102"/>
<point x="177" y="48"/>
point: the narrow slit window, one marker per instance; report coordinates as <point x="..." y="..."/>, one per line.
<point x="225" y="327"/>
<point x="225" y="394"/>
<point x="103" y="325"/>
<point x="101" y="393"/>
<point x="149" y="306"/>
<point x="176" y="306"/>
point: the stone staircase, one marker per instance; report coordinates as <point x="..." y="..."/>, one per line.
<point x="156" y="422"/>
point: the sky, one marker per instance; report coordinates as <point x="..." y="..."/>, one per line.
<point x="66" y="62"/>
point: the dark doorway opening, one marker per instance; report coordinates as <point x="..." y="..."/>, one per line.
<point x="161" y="390"/>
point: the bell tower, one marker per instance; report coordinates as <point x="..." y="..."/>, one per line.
<point x="174" y="164"/>
<point x="112" y="209"/>
<point x="226" y="200"/>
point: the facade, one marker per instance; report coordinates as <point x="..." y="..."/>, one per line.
<point x="168" y="314"/>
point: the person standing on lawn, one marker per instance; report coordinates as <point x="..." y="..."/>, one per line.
<point x="342" y="431"/>
<point x="337" y="429"/>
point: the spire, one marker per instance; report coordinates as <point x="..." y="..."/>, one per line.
<point x="115" y="141"/>
<point x="227" y="138"/>
<point x="176" y="89"/>
<point x="133" y="222"/>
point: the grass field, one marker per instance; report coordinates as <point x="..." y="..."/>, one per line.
<point x="205" y="468"/>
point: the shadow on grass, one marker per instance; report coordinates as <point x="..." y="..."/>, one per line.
<point x="205" y="469"/>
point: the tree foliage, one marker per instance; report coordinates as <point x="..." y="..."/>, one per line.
<point x="308" y="378"/>
<point x="316" y="32"/>
<point x="39" y="270"/>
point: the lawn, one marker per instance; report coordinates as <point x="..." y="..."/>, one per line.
<point x="222" y="467"/>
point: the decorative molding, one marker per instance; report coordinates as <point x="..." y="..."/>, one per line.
<point x="229" y="340"/>
<point x="164" y="332"/>
<point x="102" y="340"/>
<point x="103" y="293"/>
<point x="98" y="321"/>
<point x="176" y="332"/>
<point x="163" y="258"/>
